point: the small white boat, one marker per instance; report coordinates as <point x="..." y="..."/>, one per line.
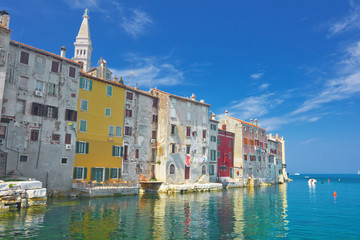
<point x="297" y="174"/>
<point x="312" y="181"/>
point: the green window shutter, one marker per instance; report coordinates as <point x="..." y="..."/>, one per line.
<point x="92" y="173"/>
<point x="77" y="147"/>
<point x="122" y="152"/>
<point x="75" y="171"/>
<point x="90" y="87"/>
<point x="81" y="82"/>
<point x="119" y="175"/>
<point x="107" y="174"/>
<point x="113" y="150"/>
<point x="87" y="148"/>
<point x="85" y="173"/>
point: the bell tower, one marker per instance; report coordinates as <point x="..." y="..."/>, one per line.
<point x="82" y="44"/>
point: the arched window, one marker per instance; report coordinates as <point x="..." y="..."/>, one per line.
<point x="172" y="169"/>
<point x="203" y="170"/>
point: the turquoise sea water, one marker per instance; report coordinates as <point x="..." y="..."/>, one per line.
<point x="290" y="211"/>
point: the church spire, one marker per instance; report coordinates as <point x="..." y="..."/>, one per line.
<point x="82" y="44"/>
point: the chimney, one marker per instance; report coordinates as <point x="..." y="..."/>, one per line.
<point x="115" y="78"/>
<point x="213" y="116"/>
<point x="251" y="120"/>
<point x="202" y="101"/>
<point x="277" y="136"/>
<point x="63" y="51"/>
<point x="136" y="86"/>
<point x="226" y="112"/>
<point x="4" y="19"/>
<point x="193" y="97"/>
<point x="256" y="122"/>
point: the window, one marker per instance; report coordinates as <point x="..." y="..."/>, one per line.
<point x="129" y="95"/>
<point x="51" y="112"/>
<point x="188" y="131"/>
<point x="173" y="129"/>
<point x="52" y="89"/>
<point x="204" y="119"/>
<point x="172" y="145"/>
<point x="20" y="106"/>
<point x="23" y="85"/>
<point x="259" y="159"/>
<point x="72" y="72"/>
<point x="37" y="109"/>
<point x="39" y="86"/>
<point x="204" y="133"/>
<point x="203" y="151"/>
<point x="188" y="149"/>
<point x="116" y="151"/>
<point x="70" y="115"/>
<point x="118" y="131"/>
<point x="83" y="125"/>
<point x="128" y="112"/>
<point x="125" y="152"/>
<point x="153" y="136"/>
<point x="229" y="143"/>
<point x="111" y="131"/>
<point x="230" y="155"/>
<point x="64" y="160"/>
<point x="23" y="158"/>
<point x="172" y="169"/>
<point x="211" y="170"/>
<point x="34" y="135"/>
<point x="115" y="172"/>
<point x="203" y="170"/>
<point x="128" y="131"/>
<point x="223" y="168"/>
<point x="55" y="67"/>
<point x="109" y="90"/>
<point x="85" y="84"/>
<point x="137" y="153"/>
<point x="155" y="102"/>
<point x="24" y="58"/>
<point x="219" y="141"/>
<point x="153" y="154"/>
<point x="84" y="105"/>
<point x="2" y="132"/>
<point x="213" y="139"/>
<point x="82" y="147"/>
<point x="213" y="155"/>
<point x="218" y="154"/>
<point x="155" y="118"/>
<point x="55" y="137"/>
<point x="245" y="141"/>
<point x="107" y="112"/>
<point x="80" y="173"/>
<point x="67" y="138"/>
<point x="188" y="116"/>
<point x="213" y="127"/>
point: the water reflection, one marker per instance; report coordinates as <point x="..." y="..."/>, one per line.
<point x="239" y="213"/>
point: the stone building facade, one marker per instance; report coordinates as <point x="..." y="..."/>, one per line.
<point x="140" y="131"/>
<point x="212" y="153"/>
<point x="38" y="90"/>
<point x="250" y="153"/>
<point x="182" y="140"/>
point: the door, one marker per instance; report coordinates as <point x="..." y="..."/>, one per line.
<point x="97" y="174"/>
<point x="231" y="173"/>
<point x="187" y="172"/>
<point x="3" y="159"/>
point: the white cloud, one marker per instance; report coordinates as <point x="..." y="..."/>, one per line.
<point x="254" y="107"/>
<point x="256" y="75"/>
<point x="264" y="86"/>
<point x="340" y="88"/>
<point x="82" y="4"/>
<point x="348" y="23"/>
<point x="137" y="23"/>
<point x="151" y="72"/>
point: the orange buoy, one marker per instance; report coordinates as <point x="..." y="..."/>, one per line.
<point x="334" y="194"/>
<point x="328" y="180"/>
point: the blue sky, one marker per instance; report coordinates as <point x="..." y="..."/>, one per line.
<point x="294" y="65"/>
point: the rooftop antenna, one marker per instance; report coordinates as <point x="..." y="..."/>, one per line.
<point x="131" y="72"/>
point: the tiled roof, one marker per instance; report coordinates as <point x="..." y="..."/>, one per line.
<point x="140" y="91"/>
<point x="247" y="123"/>
<point x="82" y="73"/>
<point x="183" y="98"/>
<point x="44" y="52"/>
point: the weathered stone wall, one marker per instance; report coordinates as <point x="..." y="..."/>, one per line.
<point x="42" y="159"/>
<point x="22" y="194"/>
<point x="142" y="125"/>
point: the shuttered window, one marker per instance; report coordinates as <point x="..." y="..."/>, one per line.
<point x="116" y="151"/>
<point x="34" y="135"/>
<point x="82" y="147"/>
<point x="72" y="72"/>
<point x="67" y="138"/>
<point x="86" y="84"/>
<point x="55" y="67"/>
<point x="24" y="58"/>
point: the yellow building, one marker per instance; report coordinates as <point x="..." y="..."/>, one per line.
<point x="100" y="120"/>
